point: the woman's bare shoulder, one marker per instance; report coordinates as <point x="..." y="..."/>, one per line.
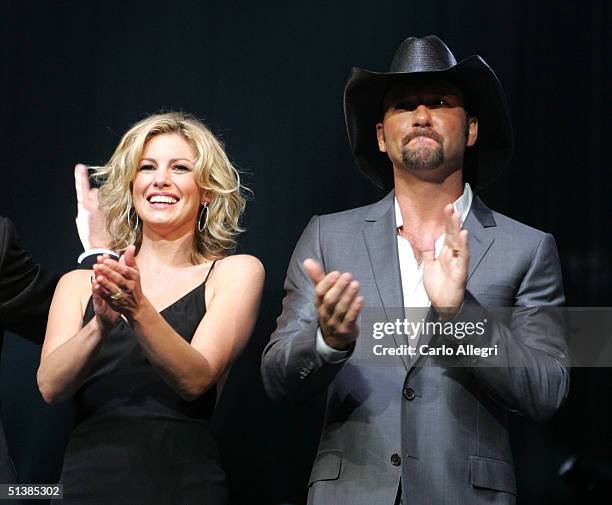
<point x="76" y="278"/>
<point x="76" y="283"/>
<point x="240" y="264"/>
<point x="236" y="276"/>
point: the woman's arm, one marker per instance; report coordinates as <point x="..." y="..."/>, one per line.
<point x="191" y="368"/>
<point x="69" y="346"/>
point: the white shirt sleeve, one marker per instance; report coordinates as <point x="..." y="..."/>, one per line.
<point x="328" y="353"/>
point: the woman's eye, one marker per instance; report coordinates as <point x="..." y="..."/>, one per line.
<point x="146" y="168"/>
<point x="181" y="168"/>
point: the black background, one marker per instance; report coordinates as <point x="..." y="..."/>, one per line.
<point x="268" y="77"/>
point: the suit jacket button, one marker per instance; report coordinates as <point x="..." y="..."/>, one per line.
<point x="396" y="460"/>
<point x="409" y="394"/>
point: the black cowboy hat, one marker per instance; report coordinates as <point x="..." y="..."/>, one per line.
<point x="430" y="57"/>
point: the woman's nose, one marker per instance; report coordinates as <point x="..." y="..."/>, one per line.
<point x="161" y="177"/>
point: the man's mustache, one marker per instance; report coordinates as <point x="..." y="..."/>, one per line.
<point x="420" y="132"/>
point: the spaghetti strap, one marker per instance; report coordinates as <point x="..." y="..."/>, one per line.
<point x="209" y="272"/>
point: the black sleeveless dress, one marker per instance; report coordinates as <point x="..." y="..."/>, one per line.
<point x="136" y="441"/>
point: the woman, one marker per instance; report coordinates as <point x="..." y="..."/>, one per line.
<point x="143" y="345"/>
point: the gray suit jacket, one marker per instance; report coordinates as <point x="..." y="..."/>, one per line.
<point x="442" y="429"/>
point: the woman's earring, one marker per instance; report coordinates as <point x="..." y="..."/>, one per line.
<point x="129" y="220"/>
<point x="201" y="226"/>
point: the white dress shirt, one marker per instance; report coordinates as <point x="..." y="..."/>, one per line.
<point x="411" y="273"/>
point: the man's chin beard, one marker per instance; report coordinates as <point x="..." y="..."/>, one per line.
<point x="422" y="159"/>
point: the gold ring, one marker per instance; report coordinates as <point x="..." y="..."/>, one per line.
<point x="117" y="296"/>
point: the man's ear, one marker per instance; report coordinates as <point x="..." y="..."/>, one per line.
<point x="380" y="135"/>
<point x="472" y="131"/>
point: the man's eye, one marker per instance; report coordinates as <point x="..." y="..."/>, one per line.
<point x="405" y="105"/>
<point x="440" y="102"/>
<point x="434" y="102"/>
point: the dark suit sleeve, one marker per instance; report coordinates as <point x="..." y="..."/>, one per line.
<point x="25" y="288"/>
<point x="291" y="368"/>
<point x="531" y="373"/>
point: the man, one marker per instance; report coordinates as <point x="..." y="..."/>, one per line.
<point x="395" y="432"/>
<point x="26" y="288"/>
<point x="25" y="295"/>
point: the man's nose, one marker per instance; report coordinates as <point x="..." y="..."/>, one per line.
<point x="421" y="116"/>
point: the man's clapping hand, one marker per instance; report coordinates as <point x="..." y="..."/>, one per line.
<point x="338" y="305"/>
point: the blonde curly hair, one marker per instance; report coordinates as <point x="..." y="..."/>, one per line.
<point x="212" y="170"/>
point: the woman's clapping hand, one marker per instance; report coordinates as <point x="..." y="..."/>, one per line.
<point x="116" y="287"/>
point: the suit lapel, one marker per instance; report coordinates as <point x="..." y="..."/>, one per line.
<point x="480" y="239"/>
<point x="380" y="236"/>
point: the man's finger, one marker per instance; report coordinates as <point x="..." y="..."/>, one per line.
<point x="429" y="249"/>
<point x="93" y="197"/>
<point x="314" y="271"/>
<point x="328" y="292"/>
<point x="332" y="295"/>
<point x="81" y="182"/>
<point x="325" y="285"/>
<point x="464" y="247"/>
<point x="452" y="239"/>
<point x="321" y="281"/>
<point x="457" y="245"/>
<point x="464" y="240"/>
<point x="450" y="225"/>
<point x="346" y="299"/>
<point x="354" y="310"/>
